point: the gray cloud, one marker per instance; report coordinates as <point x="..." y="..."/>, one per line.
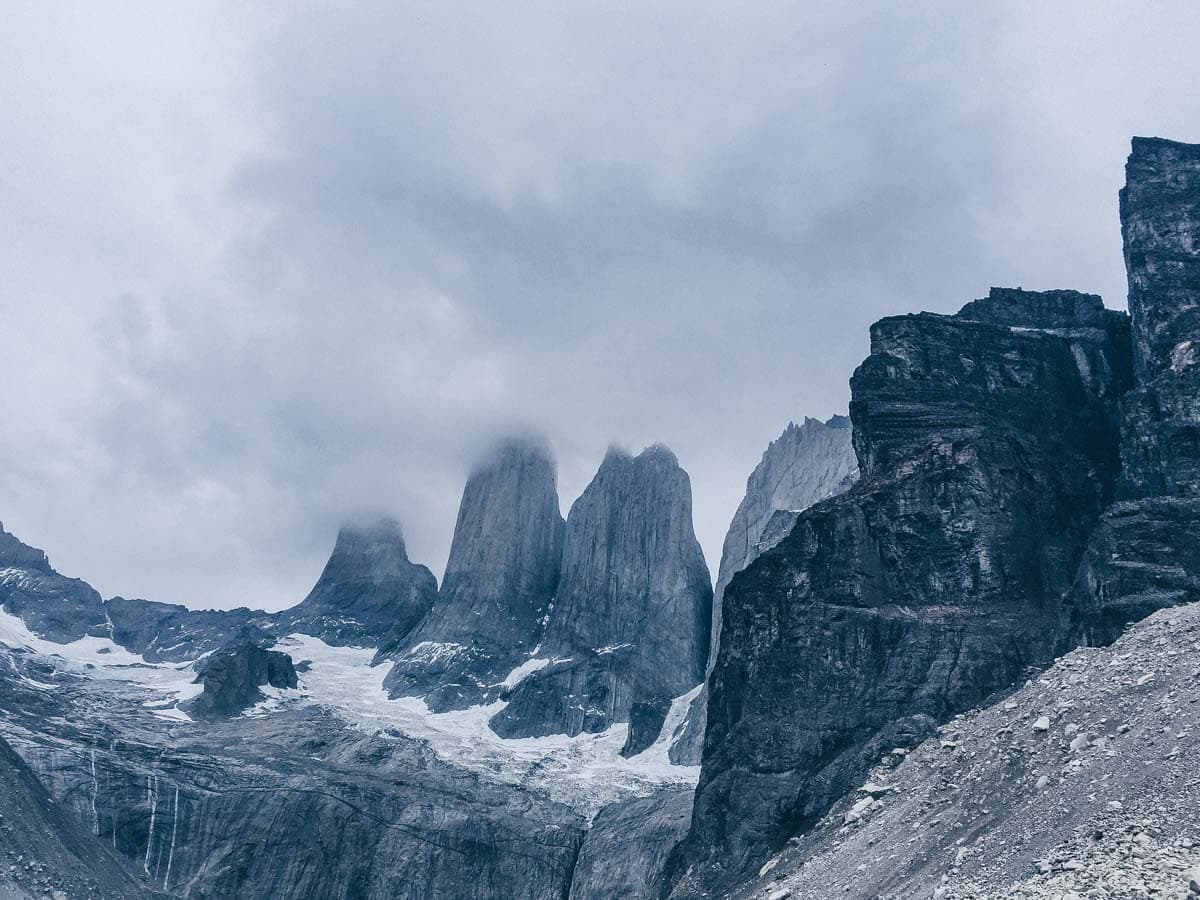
<point x="265" y="270"/>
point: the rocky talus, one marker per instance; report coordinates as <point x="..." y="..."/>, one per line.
<point x="368" y="590"/>
<point x="500" y="579"/>
<point x="804" y="465"/>
<point x="988" y="447"/>
<point x="632" y="614"/>
<point x="1079" y="784"/>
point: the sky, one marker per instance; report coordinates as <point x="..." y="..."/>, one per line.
<point x="266" y="267"/>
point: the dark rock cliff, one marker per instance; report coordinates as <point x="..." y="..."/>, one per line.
<point x="988" y="446"/>
<point x="500" y="578"/>
<point x="1146" y="554"/>
<point x="368" y="590"/>
<point x="805" y="464"/>
<point x="632" y="615"/>
<point x="232" y="678"/>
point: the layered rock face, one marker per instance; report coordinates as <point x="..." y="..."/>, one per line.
<point x="500" y="578"/>
<point x="1146" y="554"/>
<point x="805" y="464"/>
<point x="369" y="589"/>
<point x="988" y="447"/>
<point x="632" y="615"/>
<point x="232" y="678"/>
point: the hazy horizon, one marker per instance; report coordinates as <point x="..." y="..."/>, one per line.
<point x="269" y="268"/>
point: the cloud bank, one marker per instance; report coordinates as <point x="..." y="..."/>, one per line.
<point x="267" y="269"/>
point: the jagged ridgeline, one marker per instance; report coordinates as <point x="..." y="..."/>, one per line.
<point x="1028" y="482"/>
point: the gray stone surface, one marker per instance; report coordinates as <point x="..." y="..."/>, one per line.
<point x="1146" y="554"/>
<point x="623" y="855"/>
<point x="501" y="576"/>
<point x="368" y="592"/>
<point x="44" y="851"/>
<point x="632" y="615"/>
<point x="988" y="443"/>
<point x="805" y="464"/>
<point x="52" y="605"/>
<point x="232" y="678"/>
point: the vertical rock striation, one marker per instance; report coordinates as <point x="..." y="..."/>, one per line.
<point x="368" y="592"/>
<point x="500" y="579"/>
<point x="805" y="464"/>
<point x="1146" y="554"/>
<point x="988" y="447"/>
<point x="632" y="615"/>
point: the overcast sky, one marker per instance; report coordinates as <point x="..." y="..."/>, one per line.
<point x="263" y="270"/>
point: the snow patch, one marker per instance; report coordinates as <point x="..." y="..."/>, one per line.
<point x="585" y="772"/>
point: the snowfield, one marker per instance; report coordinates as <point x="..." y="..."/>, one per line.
<point x="584" y="772"/>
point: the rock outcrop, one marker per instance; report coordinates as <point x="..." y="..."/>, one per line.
<point x="1146" y="555"/>
<point x="805" y="464"/>
<point x="234" y="675"/>
<point x="368" y="593"/>
<point x="632" y="615"/>
<point x="51" y="605"/>
<point x="988" y="447"/>
<point x="500" y="579"/>
<point x="625" y="850"/>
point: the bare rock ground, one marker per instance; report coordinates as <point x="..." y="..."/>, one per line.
<point x="1084" y="783"/>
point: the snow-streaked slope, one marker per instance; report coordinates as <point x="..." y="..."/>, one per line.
<point x="99" y="657"/>
<point x="585" y="772"/>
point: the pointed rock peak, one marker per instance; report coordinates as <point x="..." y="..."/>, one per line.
<point x="659" y="453"/>
<point x="15" y="554"/>
<point x="380" y="532"/>
<point x="616" y="453"/>
<point x="522" y="446"/>
<point x="836" y="421"/>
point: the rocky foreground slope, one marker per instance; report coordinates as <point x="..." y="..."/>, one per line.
<point x="1083" y="783"/>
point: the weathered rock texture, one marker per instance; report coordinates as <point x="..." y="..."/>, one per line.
<point x="232" y="678"/>
<point x="1146" y="554"/>
<point x="632" y="615"/>
<point x="500" y="578"/>
<point x="44" y="852"/>
<point x="623" y="855"/>
<point x="51" y="605"/>
<point x="369" y="589"/>
<point x="805" y="464"/>
<point x="293" y="805"/>
<point x="988" y="446"/>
